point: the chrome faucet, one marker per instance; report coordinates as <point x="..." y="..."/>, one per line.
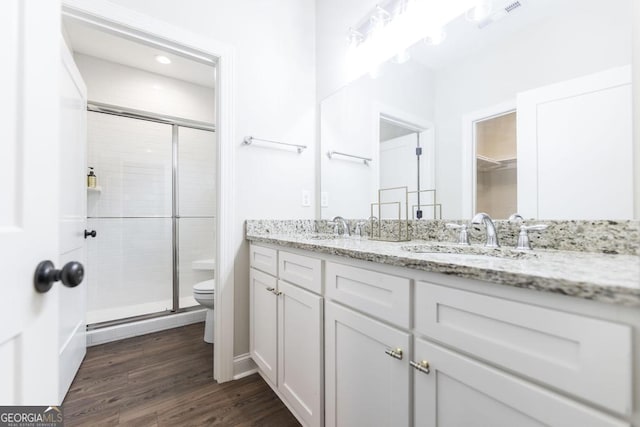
<point x="492" y="236"/>
<point x="339" y="221"/>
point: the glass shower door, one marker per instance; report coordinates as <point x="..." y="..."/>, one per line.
<point x="196" y="210"/>
<point x="130" y="260"/>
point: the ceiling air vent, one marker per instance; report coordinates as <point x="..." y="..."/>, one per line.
<point x="500" y="13"/>
<point x="512" y="6"/>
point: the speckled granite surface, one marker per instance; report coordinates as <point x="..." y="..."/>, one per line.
<point x="590" y="275"/>
<point x="610" y="237"/>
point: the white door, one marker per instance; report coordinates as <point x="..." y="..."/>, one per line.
<point x="72" y="341"/>
<point x="29" y="199"/>
<point x="459" y="391"/>
<point x="300" y="339"/>
<point x="575" y="152"/>
<point x="263" y="323"/>
<point x="365" y="385"/>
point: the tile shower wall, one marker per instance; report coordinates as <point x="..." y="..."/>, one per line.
<point x="132" y="159"/>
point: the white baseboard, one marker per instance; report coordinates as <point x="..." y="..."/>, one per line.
<point x="243" y="366"/>
<point x="142" y="327"/>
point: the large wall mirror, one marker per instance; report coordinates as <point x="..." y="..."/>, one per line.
<point x="528" y="111"/>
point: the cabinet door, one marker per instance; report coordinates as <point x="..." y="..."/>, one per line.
<point x="263" y="326"/>
<point x="300" y="351"/>
<point x="459" y="391"/>
<point x="364" y="385"/>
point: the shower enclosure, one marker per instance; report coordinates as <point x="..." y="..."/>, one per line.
<point x="154" y="211"/>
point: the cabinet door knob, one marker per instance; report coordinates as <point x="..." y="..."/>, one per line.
<point x="423" y="366"/>
<point x="271" y="289"/>
<point x="396" y="354"/>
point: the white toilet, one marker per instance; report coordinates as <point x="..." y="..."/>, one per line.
<point x="204" y="293"/>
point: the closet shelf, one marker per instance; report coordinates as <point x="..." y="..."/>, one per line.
<point x="486" y="164"/>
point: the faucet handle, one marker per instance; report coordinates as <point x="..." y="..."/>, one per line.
<point x="336" y="230"/>
<point x="463" y="237"/>
<point x="358" y="229"/>
<point x="515" y="217"/>
<point x="523" y="238"/>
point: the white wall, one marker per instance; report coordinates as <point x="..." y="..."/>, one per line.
<point x="125" y="86"/>
<point x="333" y="20"/>
<point x="275" y="99"/>
<point x="590" y="41"/>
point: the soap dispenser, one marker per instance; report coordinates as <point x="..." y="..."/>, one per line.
<point x="92" y="179"/>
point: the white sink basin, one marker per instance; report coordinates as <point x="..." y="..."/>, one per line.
<point x="476" y="250"/>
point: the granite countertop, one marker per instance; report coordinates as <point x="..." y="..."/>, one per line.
<point x="594" y="276"/>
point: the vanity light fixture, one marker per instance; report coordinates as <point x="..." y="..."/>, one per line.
<point x="385" y="35"/>
<point x="480" y="11"/>
<point x="164" y="60"/>
<point x="435" y="37"/>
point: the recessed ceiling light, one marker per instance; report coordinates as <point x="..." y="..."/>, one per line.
<point x="163" y="59"/>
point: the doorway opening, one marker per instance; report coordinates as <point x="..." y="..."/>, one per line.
<point x="218" y="59"/>
<point x="496" y="165"/>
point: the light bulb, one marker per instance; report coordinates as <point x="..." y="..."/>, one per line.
<point x="435" y="37"/>
<point x="163" y="59"/>
<point x="402" y="56"/>
<point x="480" y="11"/>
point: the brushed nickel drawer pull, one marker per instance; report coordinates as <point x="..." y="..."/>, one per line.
<point x="422" y="366"/>
<point x="396" y="354"/>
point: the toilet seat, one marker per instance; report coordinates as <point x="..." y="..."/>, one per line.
<point x="206" y="287"/>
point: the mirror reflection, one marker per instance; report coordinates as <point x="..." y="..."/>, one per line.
<point x="528" y="111"/>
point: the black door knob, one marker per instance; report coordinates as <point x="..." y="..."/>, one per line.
<point x="71" y="275"/>
<point x="91" y="233"/>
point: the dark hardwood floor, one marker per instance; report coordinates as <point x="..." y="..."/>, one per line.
<point x="165" y="379"/>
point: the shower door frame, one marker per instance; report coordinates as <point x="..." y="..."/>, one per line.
<point x="175" y="123"/>
<point x="127" y="23"/>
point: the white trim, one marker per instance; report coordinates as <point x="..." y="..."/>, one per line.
<point x="243" y="366"/>
<point x="469" y="151"/>
<point x="128" y="23"/>
<point x="143" y="327"/>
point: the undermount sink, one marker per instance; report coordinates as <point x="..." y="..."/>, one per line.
<point x="320" y="237"/>
<point x="454" y="249"/>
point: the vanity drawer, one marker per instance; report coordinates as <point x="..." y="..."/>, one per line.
<point x="567" y="351"/>
<point x="378" y="294"/>
<point x="263" y="259"/>
<point x="301" y="270"/>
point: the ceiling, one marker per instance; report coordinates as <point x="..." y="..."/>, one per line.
<point x="89" y="40"/>
<point x="390" y="130"/>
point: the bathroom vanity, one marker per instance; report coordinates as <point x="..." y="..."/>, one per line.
<point x="359" y="332"/>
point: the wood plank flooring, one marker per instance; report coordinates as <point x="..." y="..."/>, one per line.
<point x="166" y="379"/>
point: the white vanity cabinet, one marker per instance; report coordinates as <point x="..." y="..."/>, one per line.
<point x="286" y="338"/>
<point x="367" y="375"/>
<point x="461" y="391"/>
<point x="376" y="345"/>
